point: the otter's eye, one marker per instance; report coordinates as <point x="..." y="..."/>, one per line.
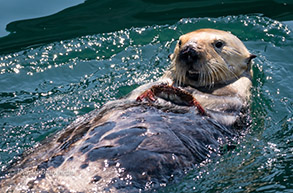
<point x="179" y="43"/>
<point x="219" y="44"/>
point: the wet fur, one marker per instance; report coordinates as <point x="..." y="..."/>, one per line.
<point x="129" y="146"/>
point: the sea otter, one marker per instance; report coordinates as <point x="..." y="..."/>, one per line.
<point x="156" y="133"/>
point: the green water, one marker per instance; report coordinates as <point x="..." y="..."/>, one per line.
<point x="61" y="66"/>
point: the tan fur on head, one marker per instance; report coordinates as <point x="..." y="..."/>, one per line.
<point x="219" y="57"/>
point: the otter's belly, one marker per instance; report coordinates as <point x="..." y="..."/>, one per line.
<point x="124" y="147"/>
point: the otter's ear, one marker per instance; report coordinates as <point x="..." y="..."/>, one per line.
<point x="171" y="56"/>
<point x="250" y="58"/>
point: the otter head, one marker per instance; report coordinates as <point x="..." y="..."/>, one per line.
<point x="206" y="57"/>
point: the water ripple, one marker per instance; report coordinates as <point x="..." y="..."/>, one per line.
<point x="44" y="88"/>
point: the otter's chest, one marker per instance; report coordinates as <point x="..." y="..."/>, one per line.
<point x="123" y="147"/>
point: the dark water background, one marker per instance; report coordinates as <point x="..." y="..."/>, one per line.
<point x="62" y="59"/>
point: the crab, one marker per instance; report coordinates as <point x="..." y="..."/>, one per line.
<point x="171" y="93"/>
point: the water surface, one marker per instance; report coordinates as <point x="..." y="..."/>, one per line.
<point x="49" y="78"/>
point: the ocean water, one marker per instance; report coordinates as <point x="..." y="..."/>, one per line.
<point x="48" y="78"/>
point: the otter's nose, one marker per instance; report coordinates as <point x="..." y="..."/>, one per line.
<point x="188" y="55"/>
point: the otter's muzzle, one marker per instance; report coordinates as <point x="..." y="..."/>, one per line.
<point x="188" y="55"/>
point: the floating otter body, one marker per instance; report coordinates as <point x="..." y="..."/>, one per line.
<point x="154" y="135"/>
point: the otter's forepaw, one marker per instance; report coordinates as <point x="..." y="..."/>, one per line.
<point x="148" y="95"/>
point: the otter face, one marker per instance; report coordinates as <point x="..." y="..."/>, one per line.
<point x="207" y="57"/>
